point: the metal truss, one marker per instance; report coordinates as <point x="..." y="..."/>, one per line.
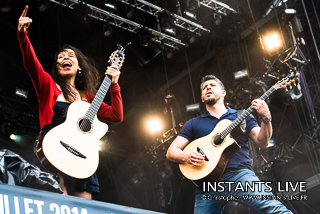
<point x="217" y="6"/>
<point x="144" y="6"/>
<point x="19" y="113"/>
<point x="154" y="11"/>
<point x="67" y="3"/>
<point x="310" y="20"/>
<point x="123" y="23"/>
<point x="306" y="142"/>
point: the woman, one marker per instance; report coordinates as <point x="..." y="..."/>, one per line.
<point x="75" y="77"/>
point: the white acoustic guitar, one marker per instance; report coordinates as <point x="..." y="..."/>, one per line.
<point x="220" y="144"/>
<point x="72" y="147"/>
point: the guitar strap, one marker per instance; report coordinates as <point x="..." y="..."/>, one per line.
<point x="243" y="123"/>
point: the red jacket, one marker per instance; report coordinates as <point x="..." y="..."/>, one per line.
<point x="47" y="90"/>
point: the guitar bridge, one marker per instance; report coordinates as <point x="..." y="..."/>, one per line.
<point x="202" y="153"/>
<point x="72" y="150"/>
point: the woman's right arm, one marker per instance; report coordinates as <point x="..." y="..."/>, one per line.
<point x="31" y="63"/>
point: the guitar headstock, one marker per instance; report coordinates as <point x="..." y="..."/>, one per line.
<point x="118" y="56"/>
<point x="287" y="81"/>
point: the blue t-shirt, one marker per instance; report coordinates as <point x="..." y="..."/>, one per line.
<point x="204" y="124"/>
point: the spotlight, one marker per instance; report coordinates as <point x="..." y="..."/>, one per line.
<point x="5" y="6"/>
<point x="9" y="130"/>
<point x="272" y="43"/>
<point x="21" y="93"/>
<point x="297" y="26"/>
<point x="107" y="30"/>
<point x="154" y="125"/>
<point x="43" y="5"/>
<point x="111" y="6"/>
<point x="193" y="4"/>
<point x="217" y="18"/>
<point x="170" y="54"/>
<point x="193" y="107"/>
<point x="290" y="11"/>
<point x="192" y="39"/>
<point x="144" y="40"/>
<point x="130" y="13"/>
<point x="171" y="31"/>
<point x="12" y="136"/>
<point x="166" y="22"/>
<point x="241" y="74"/>
<point x="190" y="14"/>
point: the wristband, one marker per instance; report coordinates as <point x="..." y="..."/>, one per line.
<point x="266" y="121"/>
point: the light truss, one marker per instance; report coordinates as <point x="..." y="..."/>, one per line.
<point x="154" y="11"/>
<point x="123" y="23"/>
<point x="217" y="6"/>
<point x="144" y="6"/>
<point x="66" y="3"/>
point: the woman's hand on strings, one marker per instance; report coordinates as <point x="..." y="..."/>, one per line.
<point x="24" y="22"/>
<point x="114" y="72"/>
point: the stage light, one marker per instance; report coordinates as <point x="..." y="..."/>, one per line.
<point x="171" y="31"/>
<point x="169" y="53"/>
<point x="5" y="6"/>
<point x="43" y="5"/>
<point x="9" y="130"/>
<point x="107" y="30"/>
<point x="272" y="43"/>
<point x="155" y="126"/>
<point x="217" y="18"/>
<point x="193" y="107"/>
<point x="130" y="13"/>
<point x="190" y="14"/>
<point x="192" y="39"/>
<point x="241" y="74"/>
<point x="21" y="93"/>
<point x="290" y="11"/>
<point x="144" y="40"/>
<point x="111" y="6"/>
<point x="193" y="4"/>
<point x="12" y="136"/>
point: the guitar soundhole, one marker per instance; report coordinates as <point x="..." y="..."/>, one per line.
<point x="85" y="125"/>
<point x="217" y="140"/>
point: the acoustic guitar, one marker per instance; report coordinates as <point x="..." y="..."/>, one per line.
<point x="220" y="144"/>
<point x="72" y="147"/>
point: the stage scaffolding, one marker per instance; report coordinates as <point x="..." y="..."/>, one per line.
<point x="306" y="110"/>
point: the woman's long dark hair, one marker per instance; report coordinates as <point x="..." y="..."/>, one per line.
<point x="87" y="80"/>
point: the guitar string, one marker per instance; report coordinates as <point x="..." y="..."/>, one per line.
<point x="89" y="117"/>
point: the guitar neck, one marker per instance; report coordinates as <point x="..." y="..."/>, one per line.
<point x="245" y="114"/>
<point x="95" y="105"/>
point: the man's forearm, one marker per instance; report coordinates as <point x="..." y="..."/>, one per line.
<point x="264" y="134"/>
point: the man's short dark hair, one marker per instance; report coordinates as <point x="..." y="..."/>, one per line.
<point x="211" y="77"/>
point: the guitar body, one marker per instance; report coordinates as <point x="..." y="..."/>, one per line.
<point x="217" y="155"/>
<point x="67" y="149"/>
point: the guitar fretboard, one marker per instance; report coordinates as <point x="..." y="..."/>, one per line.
<point x="245" y="114"/>
<point x="98" y="99"/>
<point x="95" y="105"/>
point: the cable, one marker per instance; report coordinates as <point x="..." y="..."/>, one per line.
<point x="185" y="54"/>
<point x="165" y="69"/>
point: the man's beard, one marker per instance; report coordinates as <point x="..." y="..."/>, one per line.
<point x="211" y="101"/>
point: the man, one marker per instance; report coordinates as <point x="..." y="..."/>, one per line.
<point x="239" y="166"/>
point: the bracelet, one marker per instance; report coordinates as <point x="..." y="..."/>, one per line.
<point x="266" y="121"/>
